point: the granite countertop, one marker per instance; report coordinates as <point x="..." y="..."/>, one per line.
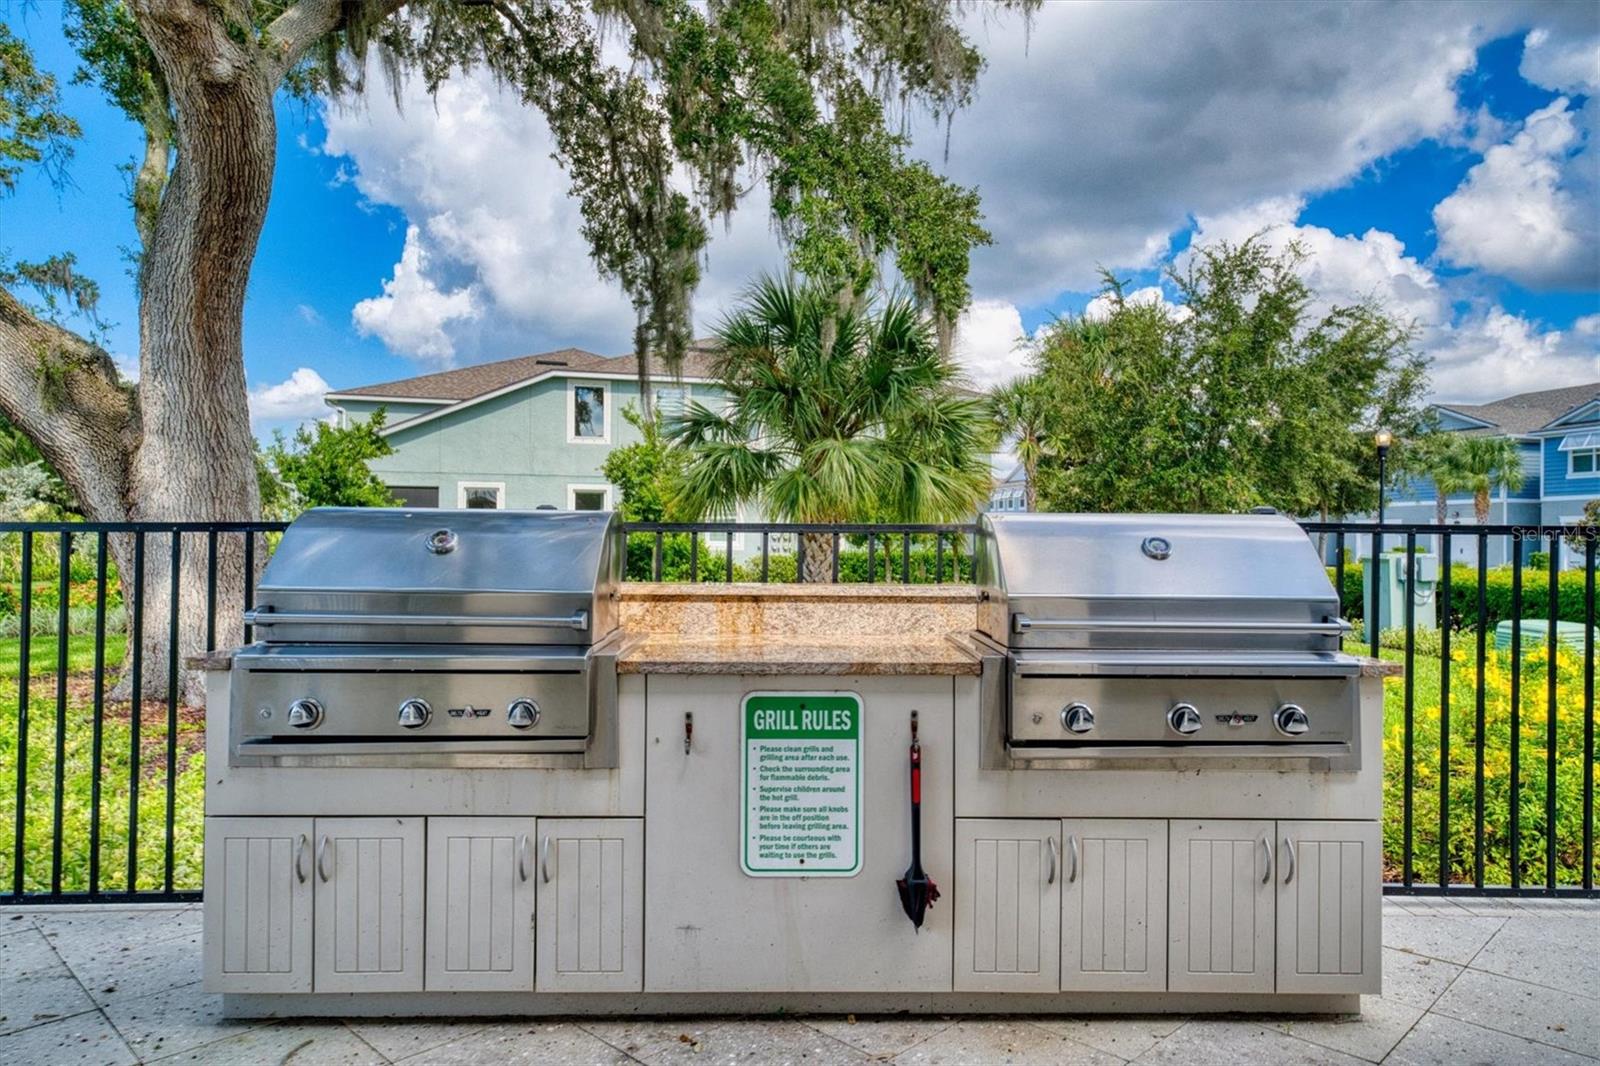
<point x="1381" y="667"/>
<point x="210" y="660"/>
<point x="659" y="653"/>
<point x="878" y="592"/>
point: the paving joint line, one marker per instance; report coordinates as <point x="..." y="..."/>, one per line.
<point x="1525" y="981"/>
<point x="625" y="1053"/>
<point x="946" y="1027"/>
<point x="1514" y="1036"/>
<point x="1033" y="1021"/>
<point x="345" y="1022"/>
<point x="98" y="1007"/>
<point x="1448" y="985"/>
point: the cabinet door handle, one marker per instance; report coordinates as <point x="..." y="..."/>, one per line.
<point x="1266" y="852"/>
<point x="1050" y="878"/>
<point x="544" y="860"/>
<point x="324" y="852"/>
<point x="1288" y="874"/>
<point x="300" y="858"/>
<point x="1072" y="853"/>
<point x="522" y="857"/>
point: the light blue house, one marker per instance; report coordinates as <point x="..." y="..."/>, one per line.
<point x="520" y="433"/>
<point x="1558" y="434"/>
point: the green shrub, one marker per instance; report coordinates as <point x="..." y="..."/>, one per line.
<point x="1498" y="598"/>
<point x="1460" y="775"/>
<point x="887" y="561"/>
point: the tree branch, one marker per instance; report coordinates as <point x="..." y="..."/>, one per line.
<point x="63" y="393"/>
<point x="291" y="34"/>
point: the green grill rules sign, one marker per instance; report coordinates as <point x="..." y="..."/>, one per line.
<point x="802" y="784"/>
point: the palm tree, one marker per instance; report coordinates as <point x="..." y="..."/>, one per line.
<point x="1021" y="410"/>
<point x="835" y="414"/>
<point x="1441" y="459"/>
<point x="1486" y="462"/>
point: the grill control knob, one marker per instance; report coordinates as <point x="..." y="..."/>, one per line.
<point x="414" y="714"/>
<point x="522" y="714"/>
<point x="1077" y="718"/>
<point x="305" y="714"/>
<point x="1291" y="720"/>
<point x="1184" y="719"/>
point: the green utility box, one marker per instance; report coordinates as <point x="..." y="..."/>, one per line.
<point x="1536" y="632"/>
<point x="1391" y="574"/>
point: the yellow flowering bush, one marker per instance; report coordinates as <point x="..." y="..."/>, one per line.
<point x="1459" y="783"/>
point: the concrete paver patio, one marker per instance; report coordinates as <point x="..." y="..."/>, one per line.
<point x="1468" y="981"/>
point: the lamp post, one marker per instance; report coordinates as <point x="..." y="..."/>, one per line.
<point x="1383" y="438"/>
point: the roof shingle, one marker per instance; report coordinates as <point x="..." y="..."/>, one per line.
<point x="464" y="383"/>
<point x="1527" y="411"/>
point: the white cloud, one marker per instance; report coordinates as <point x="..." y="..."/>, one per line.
<point x="1494" y="353"/>
<point x="1527" y="211"/>
<point x="1555" y="61"/>
<point x="411" y="315"/>
<point x="308" y="314"/>
<point x="494" y="262"/>
<point x="1482" y="353"/>
<point x="1097" y="136"/>
<point x="296" y="398"/>
<point x="1093" y="140"/>
<point x="1099" y="308"/>
<point x="1341" y="269"/>
<point x="989" y="343"/>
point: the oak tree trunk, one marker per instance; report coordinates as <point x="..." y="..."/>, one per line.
<point x="195" y="461"/>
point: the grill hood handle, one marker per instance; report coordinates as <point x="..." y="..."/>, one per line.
<point x="266" y="616"/>
<point x="1022" y="624"/>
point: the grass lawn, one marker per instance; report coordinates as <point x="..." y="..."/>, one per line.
<point x="78" y="776"/>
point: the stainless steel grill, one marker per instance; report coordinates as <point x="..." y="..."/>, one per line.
<point x="1166" y="636"/>
<point x="421" y="637"/>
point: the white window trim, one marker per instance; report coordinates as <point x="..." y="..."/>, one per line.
<point x="605" y="415"/>
<point x="573" y="490"/>
<point x="1595" y="472"/>
<point x="498" y="486"/>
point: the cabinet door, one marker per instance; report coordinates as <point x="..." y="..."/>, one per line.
<point x="258" y="905"/>
<point x="480" y="904"/>
<point x="1221" y="919"/>
<point x="1114" y="905"/>
<point x="368" y="905"/>
<point x="1330" y="887"/>
<point x="590" y="926"/>
<point x="1008" y="905"/>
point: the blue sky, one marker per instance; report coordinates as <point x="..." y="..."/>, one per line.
<point x="1437" y="157"/>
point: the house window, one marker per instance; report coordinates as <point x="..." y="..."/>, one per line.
<point x="672" y="401"/>
<point x="481" y="495"/>
<point x="1583" y="462"/>
<point x="588" y="414"/>
<point x="588" y="497"/>
<point x="416" y="495"/>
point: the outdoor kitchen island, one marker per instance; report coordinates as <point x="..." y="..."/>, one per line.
<point x="740" y="851"/>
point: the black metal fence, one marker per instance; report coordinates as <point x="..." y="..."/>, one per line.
<point x="77" y="781"/>
<point x="1488" y="740"/>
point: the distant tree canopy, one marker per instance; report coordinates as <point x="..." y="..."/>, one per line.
<point x="647" y="473"/>
<point x="1238" y="396"/>
<point x="326" y="466"/>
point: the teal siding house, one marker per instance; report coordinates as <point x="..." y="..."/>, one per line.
<point x="1558" y="434"/>
<point x="525" y="433"/>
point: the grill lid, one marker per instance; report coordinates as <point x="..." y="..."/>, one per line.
<point x="1154" y="581"/>
<point x="371" y="575"/>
